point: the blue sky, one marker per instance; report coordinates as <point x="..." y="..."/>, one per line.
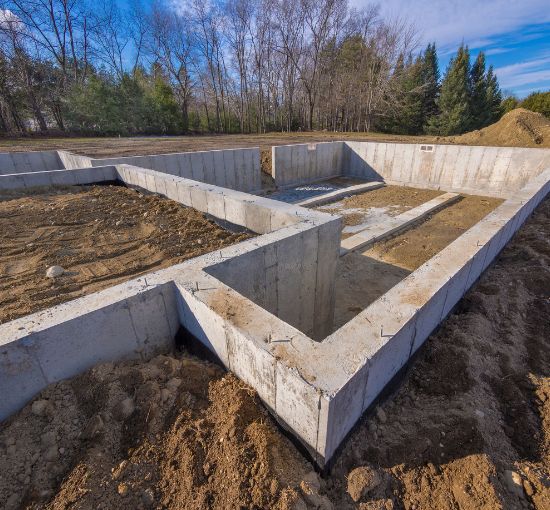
<point x="515" y="35"/>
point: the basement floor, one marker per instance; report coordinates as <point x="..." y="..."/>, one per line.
<point x="365" y="275"/>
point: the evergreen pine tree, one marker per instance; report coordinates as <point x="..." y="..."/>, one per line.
<point x="430" y="77"/>
<point x="494" y="98"/>
<point x="454" y="98"/>
<point x="479" y="107"/>
<point x="411" y="115"/>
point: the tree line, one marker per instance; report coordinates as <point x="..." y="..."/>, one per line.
<point x="229" y="66"/>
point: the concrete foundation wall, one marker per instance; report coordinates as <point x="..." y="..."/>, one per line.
<point x="300" y="164"/>
<point x="71" y="161"/>
<point x="58" y="178"/>
<point x="237" y="169"/>
<point x="389" y="331"/>
<point x="132" y="320"/>
<point x="488" y="170"/>
<point x="497" y="171"/>
<point x="291" y="275"/>
<point x="24" y="162"/>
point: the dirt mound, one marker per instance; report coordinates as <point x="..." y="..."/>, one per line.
<point x="518" y="128"/>
<point x="173" y="432"/>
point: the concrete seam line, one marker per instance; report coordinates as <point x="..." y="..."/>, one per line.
<point x="136" y="336"/>
<point x="173" y="333"/>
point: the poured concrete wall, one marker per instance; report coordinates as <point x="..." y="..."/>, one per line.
<point x="130" y="321"/>
<point x="71" y="160"/>
<point x="290" y="273"/>
<point x="24" y="162"/>
<point x="380" y="340"/>
<point x="303" y="163"/>
<point x="490" y="170"/>
<point x="58" y="177"/>
<point x="237" y="169"/>
<point x="497" y="171"/>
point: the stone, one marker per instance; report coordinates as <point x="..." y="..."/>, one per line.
<point x="51" y="454"/>
<point x="361" y="481"/>
<point x="122" y="489"/>
<point x="173" y="384"/>
<point x="313" y="480"/>
<point x="94" y="427"/>
<point x="513" y="482"/>
<point x="48" y="438"/>
<point x="380" y="413"/>
<point x="54" y="271"/>
<point x="41" y="407"/>
<point x="126" y="408"/>
<point x="148" y="497"/>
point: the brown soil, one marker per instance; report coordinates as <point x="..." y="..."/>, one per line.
<point x="416" y="245"/>
<point x="468" y="427"/>
<point x="170" y="433"/>
<point x="135" y="146"/>
<point x="396" y="199"/>
<point x="399" y="198"/>
<point x="518" y="128"/>
<point x="101" y="235"/>
<point x="361" y="280"/>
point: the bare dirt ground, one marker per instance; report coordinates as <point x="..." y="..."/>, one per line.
<point x="416" y="245"/>
<point x="390" y="200"/>
<point x="467" y="428"/>
<point x="399" y="198"/>
<point x="362" y="277"/>
<point x="101" y="236"/>
<point x="135" y="146"/>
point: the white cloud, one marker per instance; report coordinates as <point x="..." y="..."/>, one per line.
<point x="8" y="20"/>
<point x="529" y="72"/>
<point x="449" y="22"/>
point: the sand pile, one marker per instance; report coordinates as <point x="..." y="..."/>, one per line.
<point x="518" y="128"/>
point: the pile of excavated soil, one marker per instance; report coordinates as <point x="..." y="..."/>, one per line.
<point x="468" y="427"/>
<point x="101" y="236"/>
<point x="420" y="243"/>
<point x="518" y="128"/>
<point x="173" y="432"/>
